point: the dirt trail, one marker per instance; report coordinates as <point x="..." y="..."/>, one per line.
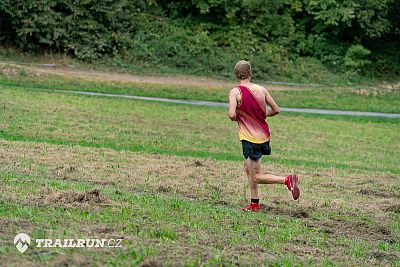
<point x="172" y="79"/>
<point x="175" y="79"/>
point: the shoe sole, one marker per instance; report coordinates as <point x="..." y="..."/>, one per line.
<point x="250" y="210"/>
<point x="295" y="190"/>
<point x="255" y="210"/>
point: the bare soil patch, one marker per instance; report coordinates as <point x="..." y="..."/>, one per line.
<point x="72" y="260"/>
<point x="385" y="255"/>
<point x="368" y="191"/>
<point x="296" y="212"/>
<point x="71" y="198"/>
<point x="151" y="263"/>
<point x="354" y="229"/>
<point x="395" y="208"/>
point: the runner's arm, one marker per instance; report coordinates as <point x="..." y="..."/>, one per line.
<point x="232" y="104"/>
<point x="271" y="102"/>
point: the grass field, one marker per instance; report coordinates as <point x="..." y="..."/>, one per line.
<point x="168" y="179"/>
<point x="360" y="99"/>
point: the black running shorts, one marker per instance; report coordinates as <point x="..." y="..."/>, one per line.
<point x="255" y="151"/>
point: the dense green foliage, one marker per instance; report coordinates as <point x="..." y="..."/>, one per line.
<point x="294" y="39"/>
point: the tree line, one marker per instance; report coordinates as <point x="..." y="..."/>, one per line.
<point x="283" y="37"/>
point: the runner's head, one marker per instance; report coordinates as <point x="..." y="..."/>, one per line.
<point x="243" y="70"/>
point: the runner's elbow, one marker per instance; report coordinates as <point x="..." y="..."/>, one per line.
<point x="232" y="117"/>
<point x="277" y="110"/>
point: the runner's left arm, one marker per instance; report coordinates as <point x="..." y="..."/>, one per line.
<point x="271" y="102"/>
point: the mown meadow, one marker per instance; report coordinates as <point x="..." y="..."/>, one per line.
<point x="168" y="179"/>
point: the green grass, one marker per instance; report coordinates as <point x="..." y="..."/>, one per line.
<point x="136" y="217"/>
<point x="341" y="99"/>
<point x="151" y="224"/>
<point x="325" y="98"/>
<point x="315" y="141"/>
<point x="182" y="206"/>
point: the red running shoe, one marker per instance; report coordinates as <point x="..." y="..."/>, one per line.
<point x="291" y="183"/>
<point x="252" y="207"/>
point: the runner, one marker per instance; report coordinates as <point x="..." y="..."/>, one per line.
<point x="247" y="106"/>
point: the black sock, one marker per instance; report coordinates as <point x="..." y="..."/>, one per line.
<point x="255" y="200"/>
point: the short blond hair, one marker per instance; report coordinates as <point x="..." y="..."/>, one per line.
<point x="243" y="70"/>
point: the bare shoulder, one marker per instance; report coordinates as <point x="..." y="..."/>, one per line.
<point x="263" y="89"/>
<point x="234" y="91"/>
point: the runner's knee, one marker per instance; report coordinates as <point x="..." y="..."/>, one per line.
<point x="255" y="177"/>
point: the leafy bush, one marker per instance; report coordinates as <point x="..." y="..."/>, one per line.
<point x="85" y="29"/>
<point x="356" y="58"/>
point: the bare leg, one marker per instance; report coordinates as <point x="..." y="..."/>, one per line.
<point x="254" y="167"/>
<point x="253" y="186"/>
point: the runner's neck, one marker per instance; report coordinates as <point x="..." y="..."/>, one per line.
<point x="247" y="84"/>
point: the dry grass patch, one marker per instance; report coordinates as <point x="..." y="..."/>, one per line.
<point x="339" y="202"/>
<point x="342" y="205"/>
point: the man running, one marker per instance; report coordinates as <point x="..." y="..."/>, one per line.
<point x="247" y="106"/>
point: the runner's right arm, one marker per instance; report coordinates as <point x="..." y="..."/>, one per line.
<point x="233" y="103"/>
